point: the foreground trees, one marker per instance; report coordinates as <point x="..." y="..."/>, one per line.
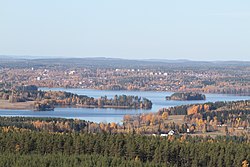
<point x="25" y="147"/>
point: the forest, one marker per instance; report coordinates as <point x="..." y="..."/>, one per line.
<point x="25" y="147"/>
<point x="68" y="142"/>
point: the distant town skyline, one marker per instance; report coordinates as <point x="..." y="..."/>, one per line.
<point x="192" y="30"/>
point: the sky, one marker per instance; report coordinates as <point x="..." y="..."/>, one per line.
<point x="130" y="29"/>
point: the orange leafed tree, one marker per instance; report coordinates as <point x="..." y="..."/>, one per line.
<point x="113" y="125"/>
<point x="193" y="109"/>
<point x="245" y="163"/>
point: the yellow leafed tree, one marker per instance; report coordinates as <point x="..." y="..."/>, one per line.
<point x="164" y="115"/>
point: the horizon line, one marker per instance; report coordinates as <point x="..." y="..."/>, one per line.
<point x="103" y="57"/>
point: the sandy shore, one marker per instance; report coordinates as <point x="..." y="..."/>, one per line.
<point x="4" y="104"/>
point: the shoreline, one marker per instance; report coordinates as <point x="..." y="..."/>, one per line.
<point x="163" y="91"/>
<point x="206" y="93"/>
<point x="106" y="106"/>
<point x="28" y="105"/>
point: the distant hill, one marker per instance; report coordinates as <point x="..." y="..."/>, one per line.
<point x="36" y="61"/>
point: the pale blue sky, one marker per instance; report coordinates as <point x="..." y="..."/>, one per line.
<point x="133" y="29"/>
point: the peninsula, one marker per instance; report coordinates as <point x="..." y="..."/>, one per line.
<point x="29" y="97"/>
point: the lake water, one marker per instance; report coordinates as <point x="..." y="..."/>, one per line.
<point x="114" y="115"/>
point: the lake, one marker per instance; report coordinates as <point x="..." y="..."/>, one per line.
<point x="113" y="115"/>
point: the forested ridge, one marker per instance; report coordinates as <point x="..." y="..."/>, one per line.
<point x="24" y="147"/>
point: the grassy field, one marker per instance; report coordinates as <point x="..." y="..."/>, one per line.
<point x="179" y="119"/>
<point x="4" y="104"/>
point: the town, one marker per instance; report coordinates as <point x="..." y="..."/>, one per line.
<point x="228" y="78"/>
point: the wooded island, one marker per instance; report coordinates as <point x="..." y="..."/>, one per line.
<point x="186" y="96"/>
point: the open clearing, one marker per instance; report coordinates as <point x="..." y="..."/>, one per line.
<point x="179" y="119"/>
<point x="4" y="104"/>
